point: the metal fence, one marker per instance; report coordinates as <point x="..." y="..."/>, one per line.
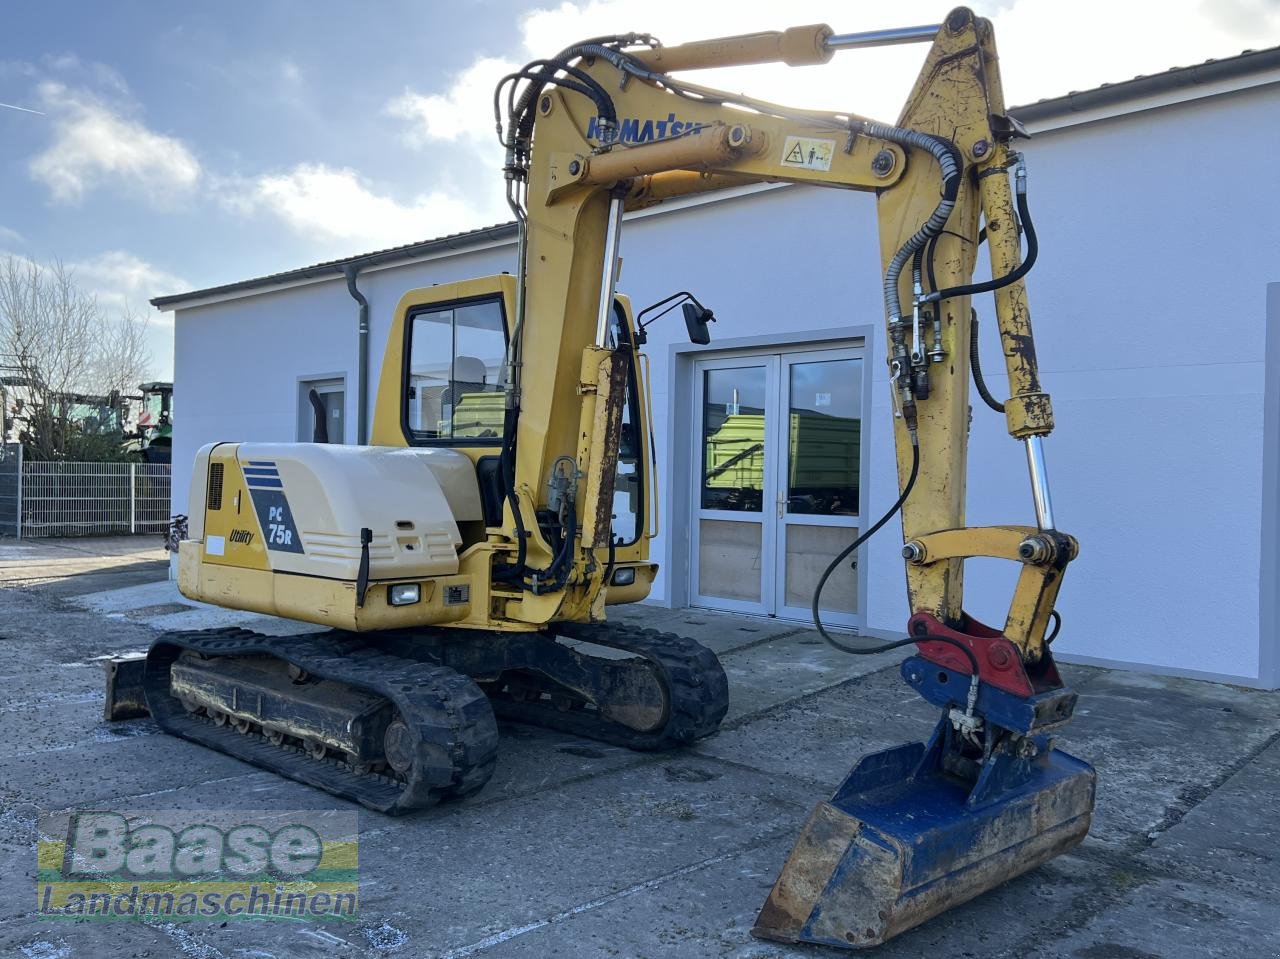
<point x="10" y="489"/>
<point x="87" y="499"/>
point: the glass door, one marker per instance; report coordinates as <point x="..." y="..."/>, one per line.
<point x="777" y="481"/>
<point x="818" y="483"/>
<point x="733" y="481"/>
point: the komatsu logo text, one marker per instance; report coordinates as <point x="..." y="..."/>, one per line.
<point x="639" y="130"/>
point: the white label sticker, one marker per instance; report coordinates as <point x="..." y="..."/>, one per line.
<point x="821" y="399"/>
<point x="808" y="153"/>
<point x="215" y="545"/>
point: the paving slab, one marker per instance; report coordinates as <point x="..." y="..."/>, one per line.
<point x="37" y="631"/>
<point x="129" y="758"/>
<point x="776" y="671"/>
<point x="1171" y="919"/>
<point x="717" y="631"/>
<point x="820" y="737"/>
<point x="709" y="912"/>
<point x="58" y="682"/>
<point x="159" y="606"/>
<point x="1232" y="837"/>
<point x="1157" y="742"/>
<point x="32" y="938"/>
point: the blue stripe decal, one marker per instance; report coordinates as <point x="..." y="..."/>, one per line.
<point x="261" y="482"/>
<point x="260" y="471"/>
<point x="262" y="463"/>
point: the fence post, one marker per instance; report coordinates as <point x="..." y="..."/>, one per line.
<point x="19" y="518"/>
<point x="133" y="499"/>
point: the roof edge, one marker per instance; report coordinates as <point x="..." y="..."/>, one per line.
<point x="1178" y="78"/>
<point x="336" y="268"/>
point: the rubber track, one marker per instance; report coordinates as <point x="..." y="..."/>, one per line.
<point x="696" y="687"/>
<point x="457" y="736"/>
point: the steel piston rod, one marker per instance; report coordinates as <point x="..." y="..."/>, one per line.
<point x="609" y="271"/>
<point x="1039" y="482"/>
<point x="883" y="38"/>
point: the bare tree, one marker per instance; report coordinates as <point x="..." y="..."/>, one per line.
<point x="58" y="345"/>
<point x="123" y="359"/>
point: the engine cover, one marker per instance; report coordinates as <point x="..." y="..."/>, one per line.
<point x="298" y="509"/>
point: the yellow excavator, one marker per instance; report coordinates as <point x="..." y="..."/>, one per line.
<point x="462" y="564"/>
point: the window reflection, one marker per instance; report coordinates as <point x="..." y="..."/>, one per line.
<point x="824" y="434"/>
<point x="733" y="432"/>
<point x="455" y="359"/>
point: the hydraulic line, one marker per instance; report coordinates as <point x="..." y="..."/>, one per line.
<point x="949" y="161"/>
<point x="975" y="365"/>
<point x="843" y="555"/>
<point x="1014" y="275"/>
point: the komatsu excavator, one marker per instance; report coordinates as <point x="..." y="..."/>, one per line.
<point x="463" y="563"/>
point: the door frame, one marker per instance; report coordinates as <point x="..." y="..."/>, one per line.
<point x="787" y="359"/>
<point x="677" y="552"/>
<point x="768" y="525"/>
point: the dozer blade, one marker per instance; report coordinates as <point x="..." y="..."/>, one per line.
<point x="904" y="839"/>
<point x="125" y="699"/>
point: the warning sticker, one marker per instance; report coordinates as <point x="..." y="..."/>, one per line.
<point x="808" y="153"/>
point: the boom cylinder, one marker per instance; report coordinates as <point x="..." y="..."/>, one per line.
<point x="798" y="46"/>
<point x="1028" y="410"/>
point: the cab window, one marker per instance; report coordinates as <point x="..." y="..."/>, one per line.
<point x="629" y="490"/>
<point x="452" y="390"/>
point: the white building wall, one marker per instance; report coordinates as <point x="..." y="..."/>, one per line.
<point x="239" y="361"/>
<point x="1150" y="343"/>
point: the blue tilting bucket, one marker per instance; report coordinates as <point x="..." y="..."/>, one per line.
<point x="918" y="829"/>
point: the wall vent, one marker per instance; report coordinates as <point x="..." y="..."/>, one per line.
<point x="215" y="486"/>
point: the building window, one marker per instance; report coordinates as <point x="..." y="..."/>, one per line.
<point x="452" y="389"/>
<point x="322" y="410"/>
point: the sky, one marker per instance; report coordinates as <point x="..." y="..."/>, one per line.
<point x="160" y="147"/>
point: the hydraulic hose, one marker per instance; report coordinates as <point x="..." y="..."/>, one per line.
<point x="975" y="364"/>
<point x="506" y="465"/>
<point x="1057" y="625"/>
<point x="950" y="163"/>
<point x="843" y="555"/>
<point x="523" y="113"/>
<point x="1014" y="275"/>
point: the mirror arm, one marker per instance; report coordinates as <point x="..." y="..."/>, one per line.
<point x="670" y="302"/>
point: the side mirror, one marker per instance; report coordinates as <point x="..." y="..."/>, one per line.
<point x="696" y="318"/>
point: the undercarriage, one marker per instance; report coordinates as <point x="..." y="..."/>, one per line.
<point x="403" y="720"/>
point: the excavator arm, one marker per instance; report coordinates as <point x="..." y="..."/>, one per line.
<point x="603" y="127"/>
<point x="947" y="165"/>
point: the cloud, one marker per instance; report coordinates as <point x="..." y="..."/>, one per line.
<point x="95" y="143"/>
<point x="10" y="236"/>
<point x="1247" y="20"/>
<point x="338" y="204"/>
<point x="464" y="111"/>
<point x="122" y="281"/>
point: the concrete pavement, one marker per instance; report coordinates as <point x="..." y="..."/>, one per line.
<point x="579" y="849"/>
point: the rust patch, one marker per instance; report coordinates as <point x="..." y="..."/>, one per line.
<point x="610" y="398"/>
